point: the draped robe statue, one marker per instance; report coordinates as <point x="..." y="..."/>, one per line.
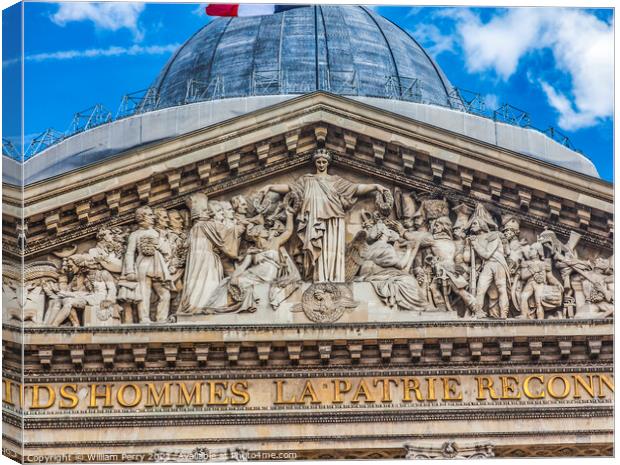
<point x="325" y="199"/>
<point x="321" y="224"/>
<point x="203" y="270"/>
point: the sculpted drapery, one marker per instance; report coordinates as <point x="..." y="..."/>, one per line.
<point x="283" y="247"/>
<point x="321" y="223"/>
<point x="321" y="219"/>
<point x="203" y="271"/>
<point x="266" y="263"/>
<point x="387" y="269"/>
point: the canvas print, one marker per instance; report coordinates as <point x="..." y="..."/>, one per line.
<point x="306" y="232"/>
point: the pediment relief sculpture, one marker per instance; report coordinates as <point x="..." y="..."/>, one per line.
<point x="321" y="244"/>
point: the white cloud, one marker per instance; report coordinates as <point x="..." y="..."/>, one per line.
<point x="109" y="16"/>
<point x="581" y="45"/>
<point x="103" y="52"/>
<point x="500" y="43"/>
<point x="430" y="34"/>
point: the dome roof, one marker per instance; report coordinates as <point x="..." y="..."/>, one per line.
<point x="346" y="50"/>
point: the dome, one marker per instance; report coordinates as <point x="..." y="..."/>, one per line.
<point x="345" y="50"/>
<point x="236" y="66"/>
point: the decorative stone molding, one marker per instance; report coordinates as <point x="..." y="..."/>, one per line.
<point x="262" y="152"/>
<point x="232" y="160"/>
<point x="584" y="215"/>
<point x="525" y="197"/>
<point x="450" y="450"/>
<point x="594" y="347"/>
<point x="263" y="350"/>
<point x="350" y="141"/>
<point x="437" y="167"/>
<point x="320" y="132"/>
<point x="535" y="348"/>
<point x="555" y="207"/>
<point x="408" y="157"/>
<point x="139" y="354"/>
<point x="232" y="352"/>
<point x="556" y="450"/>
<point x="475" y="349"/>
<point x="467" y="178"/>
<point x="291" y="139"/>
<point x="174" y="180"/>
<point x="64" y="356"/>
<point x="113" y="199"/>
<point x="51" y="222"/>
<point x="144" y="190"/>
<point x="82" y="210"/>
<point x="379" y="152"/>
<point x="204" y="170"/>
<point x="446" y="348"/>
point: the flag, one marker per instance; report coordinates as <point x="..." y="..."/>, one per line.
<point x="247" y="9"/>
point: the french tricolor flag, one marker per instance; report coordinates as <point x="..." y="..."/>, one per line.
<point x="247" y="9"/>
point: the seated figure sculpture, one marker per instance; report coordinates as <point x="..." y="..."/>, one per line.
<point x="267" y="262"/>
<point x="250" y="251"/>
<point x="98" y="295"/>
<point x="598" y="289"/>
<point x="387" y="267"/>
<point x="443" y="251"/>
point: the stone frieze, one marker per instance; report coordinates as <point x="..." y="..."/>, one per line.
<point x="318" y="248"/>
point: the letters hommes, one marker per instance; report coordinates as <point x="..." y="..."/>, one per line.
<point x="330" y="391"/>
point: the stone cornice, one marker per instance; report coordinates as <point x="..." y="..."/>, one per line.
<point x="488" y="327"/>
<point x="175" y="374"/>
<point x="444" y="345"/>
<point x="325" y="416"/>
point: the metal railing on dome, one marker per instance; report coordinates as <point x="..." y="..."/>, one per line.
<point x="137" y="102"/>
<point x="403" y="88"/>
<point x="343" y="82"/>
<point x="558" y="136"/>
<point x="9" y="150"/>
<point x="471" y="102"/>
<point x="89" y="118"/>
<point x="512" y="115"/>
<point x="199" y="91"/>
<point x="269" y="82"/>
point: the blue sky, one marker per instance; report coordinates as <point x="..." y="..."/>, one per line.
<point x="80" y="54"/>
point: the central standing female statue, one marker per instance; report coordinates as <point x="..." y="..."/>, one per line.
<point x="321" y="220"/>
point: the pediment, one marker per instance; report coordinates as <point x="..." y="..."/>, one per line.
<point x="418" y="173"/>
<point x="316" y="237"/>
